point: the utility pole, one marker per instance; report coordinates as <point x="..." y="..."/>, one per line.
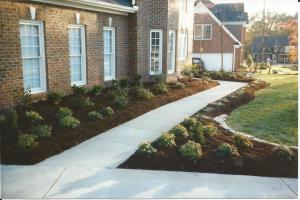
<point x="221" y="38"/>
<point x="264" y="33"/>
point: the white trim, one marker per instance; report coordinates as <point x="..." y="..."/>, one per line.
<point x="83" y="57"/>
<point x="113" y="76"/>
<point x="160" y="31"/>
<point x="201" y="8"/>
<point x="235" y="23"/>
<point x="173" y="52"/>
<point x="93" y="5"/>
<point x="202" y="31"/>
<point x="43" y="82"/>
<point x="183" y="48"/>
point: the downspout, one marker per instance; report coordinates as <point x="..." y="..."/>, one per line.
<point x="233" y="59"/>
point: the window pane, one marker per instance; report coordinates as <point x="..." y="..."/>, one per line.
<point x="198" y="32"/>
<point x="207" y="32"/>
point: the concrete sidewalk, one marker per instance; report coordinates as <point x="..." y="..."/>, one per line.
<point x="89" y="169"/>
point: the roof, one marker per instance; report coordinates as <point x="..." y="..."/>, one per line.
<point x="270" y="42"/>
<point x="118" y="2"/>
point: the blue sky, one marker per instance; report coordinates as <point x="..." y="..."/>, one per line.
<point x="254" y="6"/>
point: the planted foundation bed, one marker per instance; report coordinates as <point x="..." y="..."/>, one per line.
<point x="65" y="138"/>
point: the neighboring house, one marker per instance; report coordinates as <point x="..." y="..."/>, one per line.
<point x="50" y="45"/>
<point x="276" y="48"/>
<point x="219" y="34"/>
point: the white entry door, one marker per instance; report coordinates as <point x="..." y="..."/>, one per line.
<point x="109" y="53"/>
<point x="171" y="51"/>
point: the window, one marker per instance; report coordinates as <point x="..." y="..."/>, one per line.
<point x="203" y="32"/>
<point x="156" y="52"/>
<point x="77" y="54"/>
<point x="33" y="56"/>
<point x="109" y="53"/>
<point x="171" y="51"/>
<point x="183" y="44"/>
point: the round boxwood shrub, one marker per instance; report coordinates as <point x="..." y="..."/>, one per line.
<point x="180" y="131"/>
<point x="282" y="153"/>
<point x="190" y="123"/>
<point x="160" y="88"/>
<point x="197" y="134"/>
<point x="242" y="141"/>
<point x="146" y="148"/>
<point x="191" y="150"/>
<point x="106" y="111"/>
<point x="33" y="116"/>
<point x="97" y="90"/>
<point x="27" y="141"/>
<point x="166" y="140"/>
<point x="144" y="93"/>
<point x="64" y="112"/>
<point x="94" y="115"/>
<point x="227" y="150"/>
<point x="209" y="130"/>
<point x="69" y="122"/>
<point x="42" y="131"/>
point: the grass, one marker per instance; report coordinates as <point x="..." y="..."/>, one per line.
<point x="273" y="115"/>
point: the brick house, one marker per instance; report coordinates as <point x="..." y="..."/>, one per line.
<point x="50" y="45"/>
<point x="219" y="29"/>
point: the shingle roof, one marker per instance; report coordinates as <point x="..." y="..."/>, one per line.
<point x="230" y="12"/>
<point x="118" y="2"/>
<point x="270" y="42"/>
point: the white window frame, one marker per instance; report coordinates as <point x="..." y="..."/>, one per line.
<point x="183" y="51"/>
<point x="113" y="76"/>
<point x="170" y="71"/>
<point x="197" y="37"/>
<point x="42" y="61"/>
<point x="160" y="31"/>
<point x="83" y="57"/>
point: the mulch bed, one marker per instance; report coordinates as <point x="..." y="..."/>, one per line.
<point x="256" y="161"/>
<point x="64" y="138"/>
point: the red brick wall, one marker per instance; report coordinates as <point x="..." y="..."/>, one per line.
<point x="56" y="20"/>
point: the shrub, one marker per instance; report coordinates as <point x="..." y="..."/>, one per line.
<point x="97" y="90"/>
<point x="191" y="150"/>
<point x="242" y="141"/>
<point x="12" y="118"/>
<point x="64" y="112"/>
<point x="198" y="135"/>
<point x="137" y="80"/>
<point x="43" y="131"/>
<point x="94" y="115"/>
<point x="146" y="149"/>
<point x="190" y="70"/>
<point x="77" y="90"/>
<point x="69" y="122"/>
<point x="145" y="93"/>
<point x="227" y="150"/>
<point x="120" y="101"/>
<point x="282" y="153"/>
<point x="180" y="131"/>
<point x="179" y="85"/>
<point x="27" y="141"/>
<point x="24" y="99"/>
<point x="166" y="140"/>
<point x="209" y="130"/>
<point x="33" y="116"/>
<point x="55" y="97"/>
<point x="124" y="83"/>
<point x="160" y="88"/>
<point x="190" y="123"/>
<point x="106" y="111"/>
<point x="82" y="102"/>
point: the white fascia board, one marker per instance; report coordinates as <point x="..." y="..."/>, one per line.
<point x="235" y="23"/>
<point x="202" y="9"/>
<point x="92" y="5"/>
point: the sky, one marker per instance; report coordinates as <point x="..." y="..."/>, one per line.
<point x="255" y="6"/>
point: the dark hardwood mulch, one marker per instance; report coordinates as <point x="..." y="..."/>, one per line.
<point x="63" y="138"/>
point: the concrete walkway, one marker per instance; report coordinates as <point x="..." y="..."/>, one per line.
<point x="89" y="169"/>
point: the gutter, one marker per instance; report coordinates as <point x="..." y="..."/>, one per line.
<point x="93" y="5"/>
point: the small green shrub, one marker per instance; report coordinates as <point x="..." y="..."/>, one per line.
<point x="27" y="141"/>
<point x="242" y="141"/>
<point x="33" y="116"/>
<point x="97" y="90"/>
<point x="137" y="80"/>
<point x="166" y="140"/>
<point x="209" y="130"/>
<point x="78" y="91"/>
<point x="24" y="99"/>
<point x="106" y="111"/>
<point x="42" y="131"/>
<point x="64" y="112"/>
<point x="120" y="101"/>
<point x="82" y="102"/>
<point x="12" y="118"/>
<point x="190" y="71"/>
<point x="282" y="153"/>
<point x="124" y="83"/>
<point x="191" y="150"/>
<point x="55" y="97"/>
<point x="227" y="150"/>
<point x="190" y="123"/>
<point x="144" y="93"/>
<point x="146" y="149"/>
<point x="179" y="85"/>
<point x="94" y="115"/>
<point x="179" y="131"/>
<point x="69" y="122"/>
<point x="160" y="88"/>
<point x="197" y="134"/>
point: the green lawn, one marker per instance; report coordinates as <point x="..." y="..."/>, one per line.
<point x="273" y="115"/>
